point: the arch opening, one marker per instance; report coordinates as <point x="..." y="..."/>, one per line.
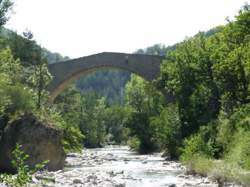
<point x="77" y="75"/>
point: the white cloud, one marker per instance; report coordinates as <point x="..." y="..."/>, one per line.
<point x="83" y="27"/>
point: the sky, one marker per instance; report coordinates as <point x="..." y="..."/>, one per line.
<point x="78" y="28"/>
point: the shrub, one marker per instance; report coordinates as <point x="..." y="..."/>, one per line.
<point x="166" y="130"/>
<point x="134" y="143"/>
<point x="231" y="125"/>
<point x="24" y="173"/>
<point x="196" y="145"/>
<point x="239" y="153"/>
<point x="20" y="98"/>
<point x="200" y="165"/>
<point x="4" y="99"/>
<point x="72" y="136"/>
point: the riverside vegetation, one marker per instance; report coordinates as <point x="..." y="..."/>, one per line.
<point x="206" y="124"/>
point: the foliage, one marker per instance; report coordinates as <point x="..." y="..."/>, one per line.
<point x="4" y="99"/>
<point x="107" y="83"/>
<point x="91" y="114"/>
<point x="115" y="122"/>
<point x="72" y="136"/>
<point x="14" y="95"/>
<point x="5" y="7"/>
<point x="145" y="102"/>
<point x="134" y="143"/>
<point x="10" y="66"/>
<point x="166" y="128"/>
<point x="239" y="153"/>
<point x="200" y="164"/>
<point x="26" y="49"/>
<point x="208" y="75"/>
<point x="38" y="80"/>
<point x="79" y="114"/>
<point x="24" y="173"/>
<point x="196" y="145"/>
<point x="20" y="99"/>
<point x="157" y="49"/>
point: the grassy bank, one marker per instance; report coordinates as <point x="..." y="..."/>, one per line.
<point x="218" y="170"/>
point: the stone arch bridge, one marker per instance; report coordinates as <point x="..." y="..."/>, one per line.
<point x="146" y="66"/>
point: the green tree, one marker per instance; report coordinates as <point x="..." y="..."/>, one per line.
<point x="145" y="102"/>
<point x="5" y="6"/>
<point x="166" y="130"/>
<point x="115" y="123"/>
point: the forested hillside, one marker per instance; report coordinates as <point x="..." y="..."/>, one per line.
<point x="25" y="48"/>
<point x="111" y="83"/>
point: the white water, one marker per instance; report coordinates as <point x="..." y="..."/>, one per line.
<point x="118" y="166"/>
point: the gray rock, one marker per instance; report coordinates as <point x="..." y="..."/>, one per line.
<point x="92" y="177"/>
<point x="183" y="176"/>
<point x="172" y="185"/>
<point x="39" y="140"/>
<point x="145" y="162"/>
<point x="77" y="181"/>
<point x="120" y="185"/>
<point x="166" y="163"/>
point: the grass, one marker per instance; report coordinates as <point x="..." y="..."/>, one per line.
<point x="218" y="170"/>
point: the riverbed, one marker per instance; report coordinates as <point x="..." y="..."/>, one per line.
<point x="119" y="167"/>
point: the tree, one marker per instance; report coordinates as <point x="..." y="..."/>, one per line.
<point x="144" y="102"/>
<point x="166" y="130"/>
<point x="40" y="76"/>
<point x="5" y="6"/>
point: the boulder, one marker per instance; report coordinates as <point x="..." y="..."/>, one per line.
<point x="39" y="140"/>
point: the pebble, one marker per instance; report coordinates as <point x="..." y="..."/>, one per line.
<point x="172" y="185"/>
<point x="120" y="185"/>
<point x="119" y="168"/>
<point x="77" y="181"/>
<point x="166" y="163"/>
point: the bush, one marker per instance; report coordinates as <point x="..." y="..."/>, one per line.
<point x="20" y="98"/>
<point x="166" y="130"/>
<point x="200" y="165"/>
<point x="230" y="125"/>
<point x="24" y="173"/>
<point x="4" y="99"/>
<point x="72" y="136"/>
<point x="239" y="153"/>
<point x="134" y="143"/>
<point x="196" y="145"/>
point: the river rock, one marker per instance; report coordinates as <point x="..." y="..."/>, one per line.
<point x="120" y="185"/>
<point x="39" y="140"/>
<point x="77" y="181"/>
<point x="172" y="185"/>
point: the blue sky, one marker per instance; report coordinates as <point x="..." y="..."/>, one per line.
<point x="83" y="27"/>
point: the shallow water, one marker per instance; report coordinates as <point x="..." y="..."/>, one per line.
<point x="118" y="166"/>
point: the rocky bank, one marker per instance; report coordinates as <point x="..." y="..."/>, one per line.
<point x="39" y="140"/>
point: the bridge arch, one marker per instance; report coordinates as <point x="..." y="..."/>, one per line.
<point x="146" y="66"/>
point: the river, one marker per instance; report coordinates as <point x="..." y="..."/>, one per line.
<point x="119" y="167"/>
